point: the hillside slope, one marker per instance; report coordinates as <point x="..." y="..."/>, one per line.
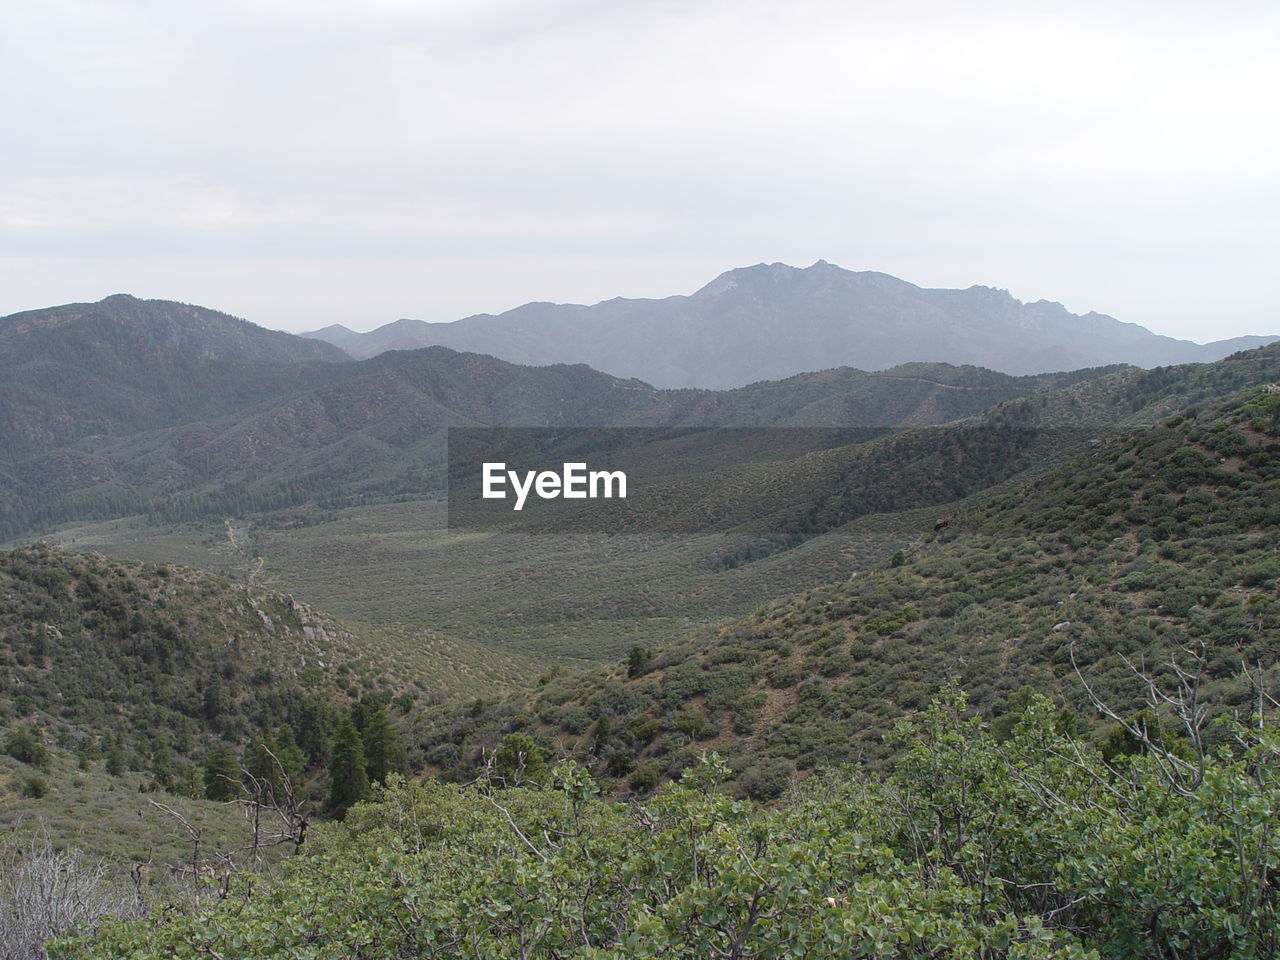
<point x="385" y="560"/>
<point x="179" y="328"/>
<point x="152" y="666"/>
<point x="848" y="474"/>
<point x="124" y="364"/>
<point x="1155" y="543"/>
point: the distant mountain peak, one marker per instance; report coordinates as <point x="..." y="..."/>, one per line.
<point x="772" y="272"/>
<point x="336" y="334"/>
<point x="769" y="273"/>
<point x="720" y="285"/>
<point x="769" y="321"/>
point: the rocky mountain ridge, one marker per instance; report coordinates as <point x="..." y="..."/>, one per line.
<point x="771" y="321"/>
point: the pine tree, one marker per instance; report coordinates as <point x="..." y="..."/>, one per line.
<point x="216" y="699"/>
<point x="638" y="661"/>
<point x="221" y="775"/>
<point x="263" y="770"/>
<point x="314" y="722"/>
<point x="116" y="760"/>
<point x="350" y="779"/>
<point x="362" y="712"/>
<point x="290" y="755"/>
<point x="382" y="754"/>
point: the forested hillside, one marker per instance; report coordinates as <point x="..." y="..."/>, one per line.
<point x="1059" y="714"/>
<point x="1091" y="596"/>
<point x="123" y="365"/>
<point x="170" y="679"/>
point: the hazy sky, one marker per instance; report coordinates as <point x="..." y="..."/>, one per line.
<point x="306" y="162"/>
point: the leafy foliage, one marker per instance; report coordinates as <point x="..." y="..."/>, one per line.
<point x="970" y="848"/>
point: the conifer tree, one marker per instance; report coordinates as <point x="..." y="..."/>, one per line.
<point x="350" y="778"/>
<point x="290" y="754"/>
<point x="216" y="699"/>
<point x="221" y="775"/>
<point x="261" y="766"/>
<point x="380" y="749"/>
<point x="362" y="712"/>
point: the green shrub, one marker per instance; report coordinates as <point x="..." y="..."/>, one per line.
<point x="25" y="746"/>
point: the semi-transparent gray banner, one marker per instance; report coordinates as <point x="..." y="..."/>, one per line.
<point x="642" y="479"/>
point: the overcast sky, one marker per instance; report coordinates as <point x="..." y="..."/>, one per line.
<point x="306" y="162"/>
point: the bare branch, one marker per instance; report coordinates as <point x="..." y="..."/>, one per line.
<point x="1183" y="776"/>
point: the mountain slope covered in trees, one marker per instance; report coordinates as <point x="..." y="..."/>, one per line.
<point x="1077" y="521"/>
<point x="124" y="364"/>
<point x="162" y="729"/>
<point x="153" y="669"/>
<point x="1046" y="834"/>
<point x="509" y="606"/>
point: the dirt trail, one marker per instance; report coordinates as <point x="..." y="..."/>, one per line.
<point x="252" y="577"/>
<point x="945" y="386"/>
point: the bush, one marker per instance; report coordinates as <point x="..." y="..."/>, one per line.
<point x="1259" y="574"/>
<point x="44" y="891"/>
<point x="766" y="782"/>
<point x="620" y="764"/>
<point x="854" y="864"/>
<point x="643" y="780"/>
<point x="25" y="746"/>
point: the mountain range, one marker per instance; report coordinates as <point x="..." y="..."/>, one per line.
<point x="132" y="406"/>
<point x="125" y="404"/>
<point x="771" y="321"/>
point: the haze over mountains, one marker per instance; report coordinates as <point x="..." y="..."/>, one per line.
<point x="771" y="321"/>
